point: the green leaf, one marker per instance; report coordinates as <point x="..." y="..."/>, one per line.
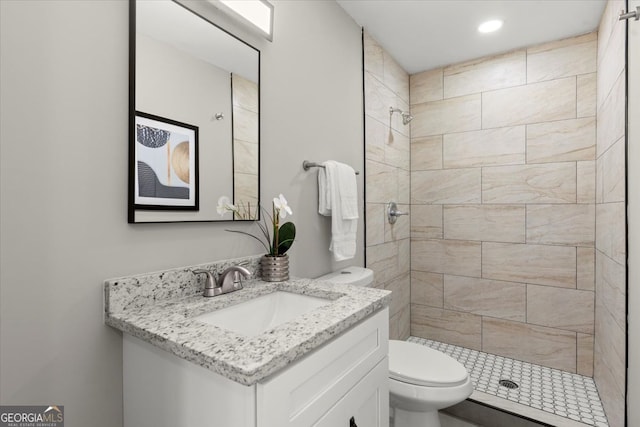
<point x="286" y="234"/>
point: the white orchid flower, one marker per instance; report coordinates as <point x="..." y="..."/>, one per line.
<point x="224" y="205"/>
<point x="281" y="205"/>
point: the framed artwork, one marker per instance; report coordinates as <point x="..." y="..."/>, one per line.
<point x="165" y="164"/>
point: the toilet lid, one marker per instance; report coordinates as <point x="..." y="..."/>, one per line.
<point x="420" y="365"/>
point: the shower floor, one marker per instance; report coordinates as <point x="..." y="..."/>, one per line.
<point x="543" y="394"/>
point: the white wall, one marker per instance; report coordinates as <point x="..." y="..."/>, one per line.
<point x="63" y="166"/>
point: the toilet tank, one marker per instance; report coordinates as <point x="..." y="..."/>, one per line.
<point x="358" y="276"/>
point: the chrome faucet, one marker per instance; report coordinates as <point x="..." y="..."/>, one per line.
<point x="229" y="280"/>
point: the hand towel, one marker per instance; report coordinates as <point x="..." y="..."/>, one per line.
<point x="339" y="198"/>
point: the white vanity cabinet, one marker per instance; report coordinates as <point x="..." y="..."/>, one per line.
<point x="343" y="383"/>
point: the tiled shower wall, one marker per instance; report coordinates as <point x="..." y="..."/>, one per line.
<point x="610" y="317"/>
<point x="503" y="209"/>
<point x="387" y="179"/>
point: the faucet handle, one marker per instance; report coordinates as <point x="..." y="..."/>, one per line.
<point x="211" y="287"/>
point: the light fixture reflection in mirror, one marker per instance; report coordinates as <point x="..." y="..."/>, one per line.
<point x="256" y="14"/>
<point x="187" y="70"/>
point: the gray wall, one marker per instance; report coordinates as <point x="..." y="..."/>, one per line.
<point x="64" y="76"/>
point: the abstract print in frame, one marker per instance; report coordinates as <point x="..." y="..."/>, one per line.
<point x="166" y="164"/>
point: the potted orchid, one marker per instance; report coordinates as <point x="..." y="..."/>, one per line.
<point x="276" y="238"/>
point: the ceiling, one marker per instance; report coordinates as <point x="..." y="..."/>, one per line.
<point x="426" y="34"/>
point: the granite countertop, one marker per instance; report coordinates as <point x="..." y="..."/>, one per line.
<point x="169" y="325"/>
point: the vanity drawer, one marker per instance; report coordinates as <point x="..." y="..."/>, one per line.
<point x="308" y="389"/>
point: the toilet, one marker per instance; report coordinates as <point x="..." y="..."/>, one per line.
<point x="421" y="380"/>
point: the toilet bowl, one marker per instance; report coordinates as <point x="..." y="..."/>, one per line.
<point x="421" y="380"/>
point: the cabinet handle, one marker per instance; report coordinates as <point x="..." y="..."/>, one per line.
<point x="352" y="422"/>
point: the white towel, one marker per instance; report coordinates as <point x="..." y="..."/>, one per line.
<point x="338" y="197"/>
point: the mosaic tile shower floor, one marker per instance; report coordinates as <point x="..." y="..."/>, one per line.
<point x="558" y="392"/>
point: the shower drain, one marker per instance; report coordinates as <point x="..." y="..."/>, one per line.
<point x="508" y="384"/>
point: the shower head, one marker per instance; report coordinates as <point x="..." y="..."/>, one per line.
<point x="406" y="117"/>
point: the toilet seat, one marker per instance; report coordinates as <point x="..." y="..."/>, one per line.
<point x="420" y="365"/>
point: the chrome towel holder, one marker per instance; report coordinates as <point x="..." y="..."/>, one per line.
<point x="306" y="165"/>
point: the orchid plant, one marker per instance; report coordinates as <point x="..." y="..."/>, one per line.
<point x="278" y="238"/>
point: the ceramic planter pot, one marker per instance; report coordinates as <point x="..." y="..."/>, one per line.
<point x="274" y="268"/>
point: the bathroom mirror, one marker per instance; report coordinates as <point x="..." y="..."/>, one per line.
<point x="194" y="123"/>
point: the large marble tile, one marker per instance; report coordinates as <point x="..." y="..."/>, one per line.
<point x="586" y="182"/>
<point x="538" y="264"/>
<point x="586" y="95"/>
<point x="446" y="186"/>
<point x="533" y="103"/>
<point x="611" y="117"/>
<point x="584" y="357"/>
<point x="404" y="186"/>
<point x="376" y="217"/>
<point x="572" y="225"/>
<point x="611" y="287"/>
<point x="586" y="268"/>
<point x="245" y="125"/>
<point x="562" y="58"/>
<point x="397" y="150"/>
<point x="536" y="344"/>
<point x="245" y="93"/>
<point x="480" y="75"/>
<point x="401" y="229"/>
<point x="426" y="222"/>
<point x="447" y="256"/>
<point x="400" y="288"/>
<point x="377" y="136"/>
<point x="426" y="86"/>
<point x="373" y="56"/>
<point x="548" y="306"/>
<point x="427" y="288"/>
<point x="608" y="23"/>
<point x="613" y="172"/>
<point x="395" y="77"/>
<point x="245" y="157"/>
<point x="378" y="98"/>
<point x="447" y="116"/>
<point x="505" y="300"/>
<point x="400" y="325"/>
<point x="611" y="63"/>
<point x="542" y="183"/>
<point x="610" y="345"/>
<point x="382" y="182"/>
<point x="502" y="146"/>
<point x="384" y="260"/>
<point x="453" y="327"/>
<point x="426" y="153"/>
<point x="612" y="399"/>
<point x="610" y="231"/>
<point x="560" y="141"/>
<point x="245" y="189"/>
<point x="497" y="223"/>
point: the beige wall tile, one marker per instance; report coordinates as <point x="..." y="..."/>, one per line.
<point x="395" y="77"/>
<point x="404" y="321"/>
<point x="586" y="264"/>
<point x="506" y="300"/>
<point x="404" y="255"/>
<point x="400" y="288"/>
<point x="397" y="151"/>
<point x="611" y="63"/>
<point x="485" y="74"/>
<point x="539" y="264"/>
<point x="373" y="56"/>
<point x="382" y="182"/>
<point x="446" y="186"/>
<point x="449" y="115"/>
<point x="378" y="98"/>
<point x="394" y="327"/>
<point x="562" y="58"/>
<point x="245" y="156"/>
<point x="536" y="344"/>
<point x="586" y="182"/>
<point x="548" y="306"/>
<point x="608" y="23"/>
<point x="426" y="222"/>
<point x="600" y="180"/>
<point x="427" y="288"/>
<point x="446" y="256"/>
<point x="426" y="86"/>
<point x="452" y="327"/>
<point x="585" y="355"/>
<point x="543" y="183"/>
<point x="586" y="96"/>
<point x="404" y="186"/>
<point x="563" y="140"/>
<point x="561" y="224"/>
<point x="376" y="136"/>
<point x="401" y="229"/>
<point x="245" y="125"/>
<point x="375" y="223"/>
<point x="534" y="103"/>
<point x="610" y="346"/>
<point x="426" y="153"/>
<point x="611" y="288"/>
<point x="612" y="399"/>
<point x="396" y="118"/>
<point x="610" y="230"/>
<point x="245" y="93"/>
<point x="497" y="223"/>
<point x="245" y="189"/>
<point x="611" y="117"/>
<point x="502" y="146"/>
<point x="384" y="261"/>
<point x="613" y="173"/>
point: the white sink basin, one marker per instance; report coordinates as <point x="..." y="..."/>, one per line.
<point x="260" y="314"/>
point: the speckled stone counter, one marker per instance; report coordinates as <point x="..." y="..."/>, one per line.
<point x="159" y="308"/>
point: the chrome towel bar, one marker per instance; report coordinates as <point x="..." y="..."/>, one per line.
<point x="306" y="165"/>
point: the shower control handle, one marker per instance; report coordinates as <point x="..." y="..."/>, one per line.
<point x="393" y="213"/>
<point x="352" y="422"/>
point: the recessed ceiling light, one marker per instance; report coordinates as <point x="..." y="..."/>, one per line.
<point x="490" y="26"/>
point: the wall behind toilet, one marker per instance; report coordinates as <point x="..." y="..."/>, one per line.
<point x="64" y="83"/>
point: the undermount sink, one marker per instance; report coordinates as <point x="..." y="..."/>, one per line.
<point x="260" y="314"/>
